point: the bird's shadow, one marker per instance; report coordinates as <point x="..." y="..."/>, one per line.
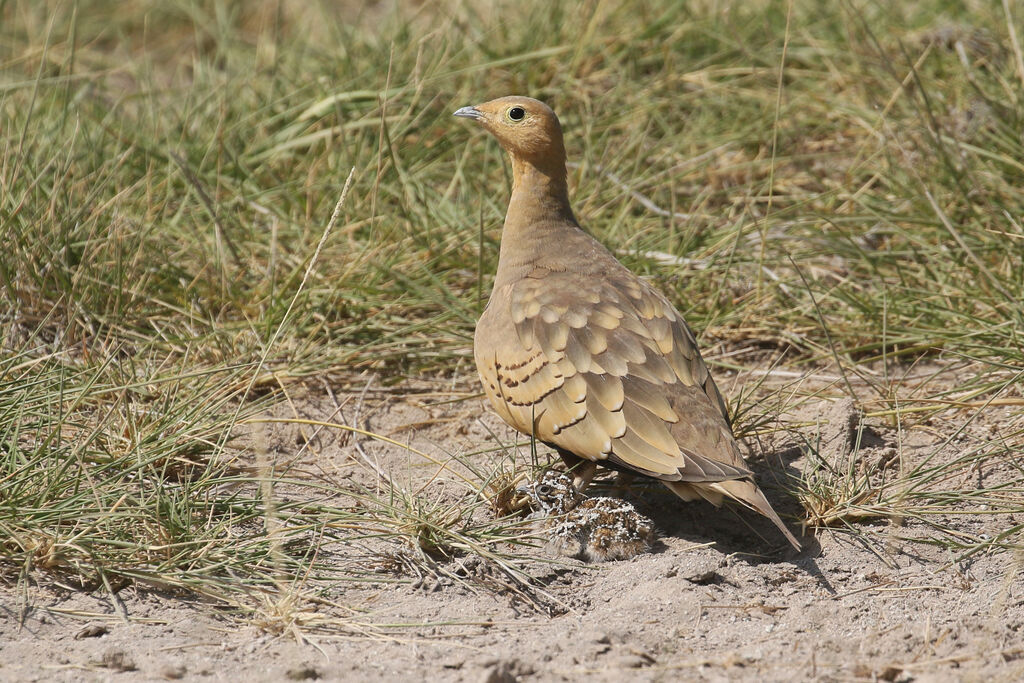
<point x="734" y="530"/>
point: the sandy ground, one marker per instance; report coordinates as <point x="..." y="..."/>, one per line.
<point x="721" y="597"/>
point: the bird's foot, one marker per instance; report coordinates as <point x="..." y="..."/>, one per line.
<point x="583" y="473"/>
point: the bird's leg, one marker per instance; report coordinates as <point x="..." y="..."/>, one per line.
<point x="622" y="482"/>
<point x="582" y="475"/>
<point x="582" y="470"/>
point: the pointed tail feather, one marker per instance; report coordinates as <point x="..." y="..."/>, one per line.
<point x="741" y="490"/>
<point x="746" y="492"/>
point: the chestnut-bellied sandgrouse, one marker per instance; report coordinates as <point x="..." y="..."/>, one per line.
<point x="580" y="353"/>
<point x="592" y="529"/>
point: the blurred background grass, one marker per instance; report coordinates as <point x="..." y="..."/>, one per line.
<point x="840" y="181"/>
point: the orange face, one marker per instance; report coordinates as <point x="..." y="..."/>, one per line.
<point x="525" y="127"/>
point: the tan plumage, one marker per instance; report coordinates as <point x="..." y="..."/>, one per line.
<point x="576" y="350"/>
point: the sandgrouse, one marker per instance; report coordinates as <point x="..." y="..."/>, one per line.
<point x="591" y="529"/>
<point x="580" y="353"/>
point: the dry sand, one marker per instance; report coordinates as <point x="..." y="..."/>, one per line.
<point x="721" y="597"/>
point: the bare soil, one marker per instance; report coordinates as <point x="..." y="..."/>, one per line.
<point x="720" y="598"/>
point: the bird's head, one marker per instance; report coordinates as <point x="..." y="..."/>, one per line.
<point x="526" y="128"/>
<point x="552" y="493"/>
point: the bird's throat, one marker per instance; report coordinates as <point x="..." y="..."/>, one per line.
<point x="540" y="194"/>
<point x="539" y="216"/>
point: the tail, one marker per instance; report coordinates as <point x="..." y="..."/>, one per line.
<point x="740" y="490"/>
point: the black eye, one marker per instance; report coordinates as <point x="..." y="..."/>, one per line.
<point x="517" y="113"/>
<point x="543" y="489"/>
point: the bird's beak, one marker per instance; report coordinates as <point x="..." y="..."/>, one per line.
<point x="522" y="490"/>
<point x="469" y="113"/>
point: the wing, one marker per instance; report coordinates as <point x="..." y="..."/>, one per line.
<point x="605" y="368"/>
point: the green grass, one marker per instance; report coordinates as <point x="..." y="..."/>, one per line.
<point x="848" y="193"/>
